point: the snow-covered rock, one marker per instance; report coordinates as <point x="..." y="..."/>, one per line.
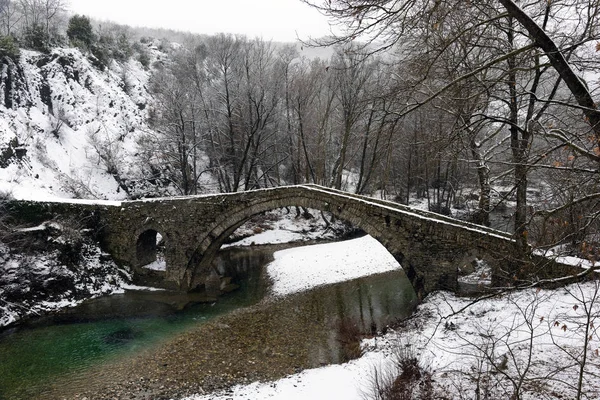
<point x="69" y="128"/>
<point x="49" y="269"/>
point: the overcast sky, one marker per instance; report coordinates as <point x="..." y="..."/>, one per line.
<point x="279" y="20"/>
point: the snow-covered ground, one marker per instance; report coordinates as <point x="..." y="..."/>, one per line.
<point x="85" y="114"/>
<point x="470" y="348"/>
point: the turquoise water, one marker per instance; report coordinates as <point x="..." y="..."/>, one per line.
<point x="31" y="358"/>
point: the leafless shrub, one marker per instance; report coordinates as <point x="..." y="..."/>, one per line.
<point x="380" y="383"/>
<point x="58" y="121"/>
<point x="77" y="187"/>
<point x="544" y="347"/>
<point x="576" y="335"/>
<point x="108" y="150"/>
<point x="414" y="377"/>
<point x="349" y="336"/>
<point x="408" y="378"/>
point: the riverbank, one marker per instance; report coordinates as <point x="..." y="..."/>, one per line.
<point x="37" y="283"/>
<point x="537" y="343"/>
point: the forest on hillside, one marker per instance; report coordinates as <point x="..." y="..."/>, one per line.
<point x="464" y="104"/>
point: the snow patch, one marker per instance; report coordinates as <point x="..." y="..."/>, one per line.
<point x="139" y="288"/>
<point x="481" y="276"/>
<point x="158" y="265"/>
<point x="284" y="226"/>
<point x="303" y="268"/>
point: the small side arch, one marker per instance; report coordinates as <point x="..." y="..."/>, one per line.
<point x="150" y="250"/>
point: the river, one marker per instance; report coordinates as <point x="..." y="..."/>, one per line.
<point x="87" y="349"/>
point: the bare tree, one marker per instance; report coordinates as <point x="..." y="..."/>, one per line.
<point x="44" y="15"/>
<point x="9" y="17"/>
<point x="522" y="81"/>
<point x="351" y="77"/>
<point x="224" y="73"/>
<point x="177" y="118"/>
<point x="313" y="105"/>
<point x="388" y="21"/>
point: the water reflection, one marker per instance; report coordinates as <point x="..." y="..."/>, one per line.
<point x="365" y="306"/>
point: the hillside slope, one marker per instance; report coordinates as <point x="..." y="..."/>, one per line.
<point x="69" y="128"/>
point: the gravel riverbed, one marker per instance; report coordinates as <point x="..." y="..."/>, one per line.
<point x="264" y="342"/>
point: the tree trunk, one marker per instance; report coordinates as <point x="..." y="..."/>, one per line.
<point x="483" y="176"/>
<point x="519" y="141"/>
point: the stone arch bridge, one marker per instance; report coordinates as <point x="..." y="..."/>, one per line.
<point x="430" y="247"/>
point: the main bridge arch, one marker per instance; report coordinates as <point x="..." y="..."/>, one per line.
<point x="199" y="266"/>
<point x="429" y="247"/>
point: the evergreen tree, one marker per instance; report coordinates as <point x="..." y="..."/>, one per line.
<point x="9" y="47"/>
<point x="80" y="32"/>
<point x="35" y="37"/>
